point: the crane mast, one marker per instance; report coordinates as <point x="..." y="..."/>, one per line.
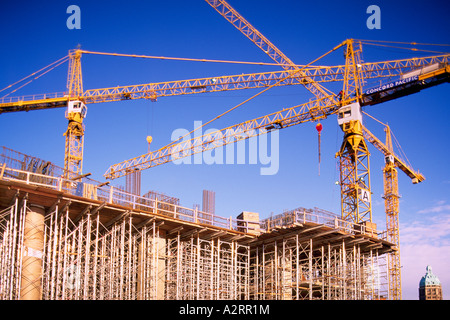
<point x="392" y="208"/>
<point x="75" y="113"/>
<point x="353" y="155"/>
<point x="391" y="203"/>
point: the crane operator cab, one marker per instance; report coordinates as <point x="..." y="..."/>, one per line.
<point x="348" y="113"/>
<point x="76" y="111"/>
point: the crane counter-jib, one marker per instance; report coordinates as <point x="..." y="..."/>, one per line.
<point x="408" y="83"/>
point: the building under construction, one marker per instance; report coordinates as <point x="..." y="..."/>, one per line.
<point x="62" y="239"/>
<point x="65" y="236"/>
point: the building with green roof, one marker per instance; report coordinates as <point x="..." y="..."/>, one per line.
<point x="430" y="287"/>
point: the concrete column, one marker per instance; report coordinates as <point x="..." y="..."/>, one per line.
<point x="33" y="246"/>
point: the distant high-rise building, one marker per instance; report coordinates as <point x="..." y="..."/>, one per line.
<point x="133" y="182"/>
<point x="430" y="287"/>
<point x="209" y="201"/>
<point x="209" y="205"/>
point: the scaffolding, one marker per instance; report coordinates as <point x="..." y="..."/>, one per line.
<point x="11" y="244"/>
<point x="294" y="268"/>
<point x="201" y="269"/>
<point x="84" y="258"/>
<point x="311" y="254"/>
<point x="122" y="246"/>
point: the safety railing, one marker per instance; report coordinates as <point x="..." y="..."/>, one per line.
<point x="114" y="195"/>
<point x="317" y="216"/>
<point x="33" y="97"/>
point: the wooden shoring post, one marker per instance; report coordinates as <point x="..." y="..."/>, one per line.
<point x="196" y="251"/>
<point x="355" y="272"/>
<point x="8" y="280"/>
<point x="230" y="276"/>
<point x="276" y="271"/>
<point x="283" y="270"/>
<point x="247" y="279"/>
<point x="103" y="264"/>
<point x="50" y="255"/>
<point x="54" y="253"/>
<point x="263" y="272"/>
<point x="352" y="274"/>
<point x="322" y="272"/>
<point x="151" y="274"/>
<point x="23" y="210"/>
<point x="344" y="271"/>
<point x="64" y="235"/>
<point x="141" y="266"/>
<point x="188" y="270"/>
<point x="7" y="271"/>
<point x="61" y="216"/>
<point x="130" y="258"/>
<point x="214" y="267"/>
<point x="96" y="255"/>
<point x="375" y="293"/>
<point x="87" y="256"/>
<point x="11" y="228"/>
<point x="10" y="255"/>
<point x="218" y="270"/>
<point x="258" y="287"/>
<point x="154" y="262"/>
<point x="178" y="267"/>
<point x="124" y="262"/>
<point x="155" y="259"/>
<point x="329" y="286"/>
<point x="375" y="264"/>
<point x="46" y="256"/>
<point x="76" y="264"/>
<point x="358" y="273"/>
<point x="112" y="252"/>
<point x="310" y="264"/>
<point x="298" y="267"/>
<point x="145" y="268"/>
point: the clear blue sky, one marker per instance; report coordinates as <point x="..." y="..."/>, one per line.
<point x="34" y="34"/>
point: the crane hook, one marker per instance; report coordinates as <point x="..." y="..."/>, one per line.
<point x="319" y="128"/>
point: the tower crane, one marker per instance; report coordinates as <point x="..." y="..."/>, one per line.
<point x="354" y="155"/>
<point x="412" y="75"/>
<point x="392" y="208"/>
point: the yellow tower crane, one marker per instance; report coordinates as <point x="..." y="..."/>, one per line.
<point x="391" y="203"/>
<point x="353" y="154"/>
<point x="75" y="113"/>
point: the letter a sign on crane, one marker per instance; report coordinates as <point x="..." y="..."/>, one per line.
<point x="364" y="195"/>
